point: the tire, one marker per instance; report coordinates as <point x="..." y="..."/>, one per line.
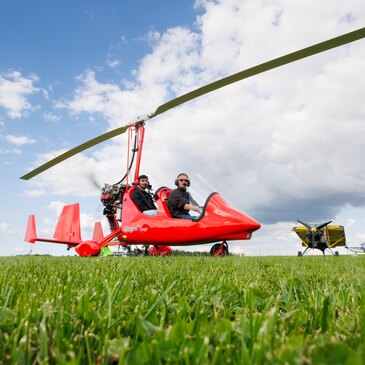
<point x="215" y="249"/>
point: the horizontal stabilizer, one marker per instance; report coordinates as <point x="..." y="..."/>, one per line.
<point x="68" y="226"/>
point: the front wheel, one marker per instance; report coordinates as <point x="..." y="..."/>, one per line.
<point x="219" y="249"/>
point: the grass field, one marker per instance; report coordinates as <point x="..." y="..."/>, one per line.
<point x="182" y="310"/>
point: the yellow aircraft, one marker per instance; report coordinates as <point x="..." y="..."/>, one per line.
<point x="320" y="237"/>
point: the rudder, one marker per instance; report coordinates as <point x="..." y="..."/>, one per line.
<point x="68" y="226"/>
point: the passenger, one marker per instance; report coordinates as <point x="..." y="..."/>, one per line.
<point x="142" y="198"/>
<point x="180" y="201"/>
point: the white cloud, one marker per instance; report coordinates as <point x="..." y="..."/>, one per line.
<point x="4" y="227"/>
<point x="19" y="140"/>
<point x="113" y="63"/>
<point x="14" y="92"/>
<point x="173" y="64"/>
<point x="51" y="117"/>
<point x="35" y="193"/>
<point x="94" y="97"/>
<point x="11" y="151"/>
<point x="153" y="35"/>
<point x="56" y="206"/>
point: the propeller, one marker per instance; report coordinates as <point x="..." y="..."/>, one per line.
<point x="266" y="66"/>
<point x="323" y="225"/>
<point x="93" y="181"/>
<point x="314" y="231"/>
<point x="305" y="224"/>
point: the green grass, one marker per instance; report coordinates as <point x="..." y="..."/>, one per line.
<point x="182" y="310"/>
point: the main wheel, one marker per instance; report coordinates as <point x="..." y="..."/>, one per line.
<point x="300" y="253"/>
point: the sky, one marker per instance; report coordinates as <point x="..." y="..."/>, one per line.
<point x="280" y="146"/>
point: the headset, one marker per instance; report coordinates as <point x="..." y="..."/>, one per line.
<point x="177" y="179"/>
<point x="149" y="186"/>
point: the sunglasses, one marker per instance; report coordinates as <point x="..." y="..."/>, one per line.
<point x="183" y="179"/>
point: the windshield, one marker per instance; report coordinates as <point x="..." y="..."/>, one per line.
<point x="200" y="189"/>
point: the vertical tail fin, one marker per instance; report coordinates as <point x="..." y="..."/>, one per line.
<point x="98" y="232"/>
<point x="31" y="232"/>
<point x="68" y="226"/>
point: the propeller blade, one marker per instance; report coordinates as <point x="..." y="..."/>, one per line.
<point x="74" y="151"/>
<point x="323" y="225"/>
<point x="93" y="181"/>
<point x="305" y="224"/>
<point x="266" y="66"/>
<point x="313" y="239"/>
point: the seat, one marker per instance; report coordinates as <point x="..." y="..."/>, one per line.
<point x="161" y="196"/>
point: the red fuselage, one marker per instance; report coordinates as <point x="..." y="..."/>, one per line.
<point x="218" y="222"/>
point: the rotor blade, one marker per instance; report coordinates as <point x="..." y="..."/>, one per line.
<point x="323" y="225"/>
<point x="277" y="62"/>
<point x="74" y="151"/>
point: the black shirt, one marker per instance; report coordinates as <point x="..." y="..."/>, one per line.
<point x="178" y="198"/>
<point x="142" y="199"/>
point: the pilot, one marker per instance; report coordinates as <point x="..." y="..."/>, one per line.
<point x="142" y="198"/>
<point x="180" y="201"/>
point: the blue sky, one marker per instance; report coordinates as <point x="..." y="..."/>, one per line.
<point x="283" y="146"/>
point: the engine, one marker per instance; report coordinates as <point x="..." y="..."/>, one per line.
<point x="111" y="197"/>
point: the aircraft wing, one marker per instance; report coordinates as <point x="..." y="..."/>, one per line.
<point x="357" y="249"/>
<point x="301" y="231"/>
<point x="336" y="236"/>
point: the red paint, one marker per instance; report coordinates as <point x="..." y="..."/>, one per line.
<point x="218" y="222"/>
<point x="160" y="250"/>
<point x="88" y="248"/>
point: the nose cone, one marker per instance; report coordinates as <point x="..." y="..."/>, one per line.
<point x="219" y="212"/>
<point x="243" y="220"/>
<point x="251" y="224"/>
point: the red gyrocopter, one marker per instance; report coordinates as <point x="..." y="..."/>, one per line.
<point x="128" y="226"/>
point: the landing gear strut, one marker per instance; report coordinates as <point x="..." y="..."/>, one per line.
<point x="219" y="249"/>
<point x="336" y="253"/>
